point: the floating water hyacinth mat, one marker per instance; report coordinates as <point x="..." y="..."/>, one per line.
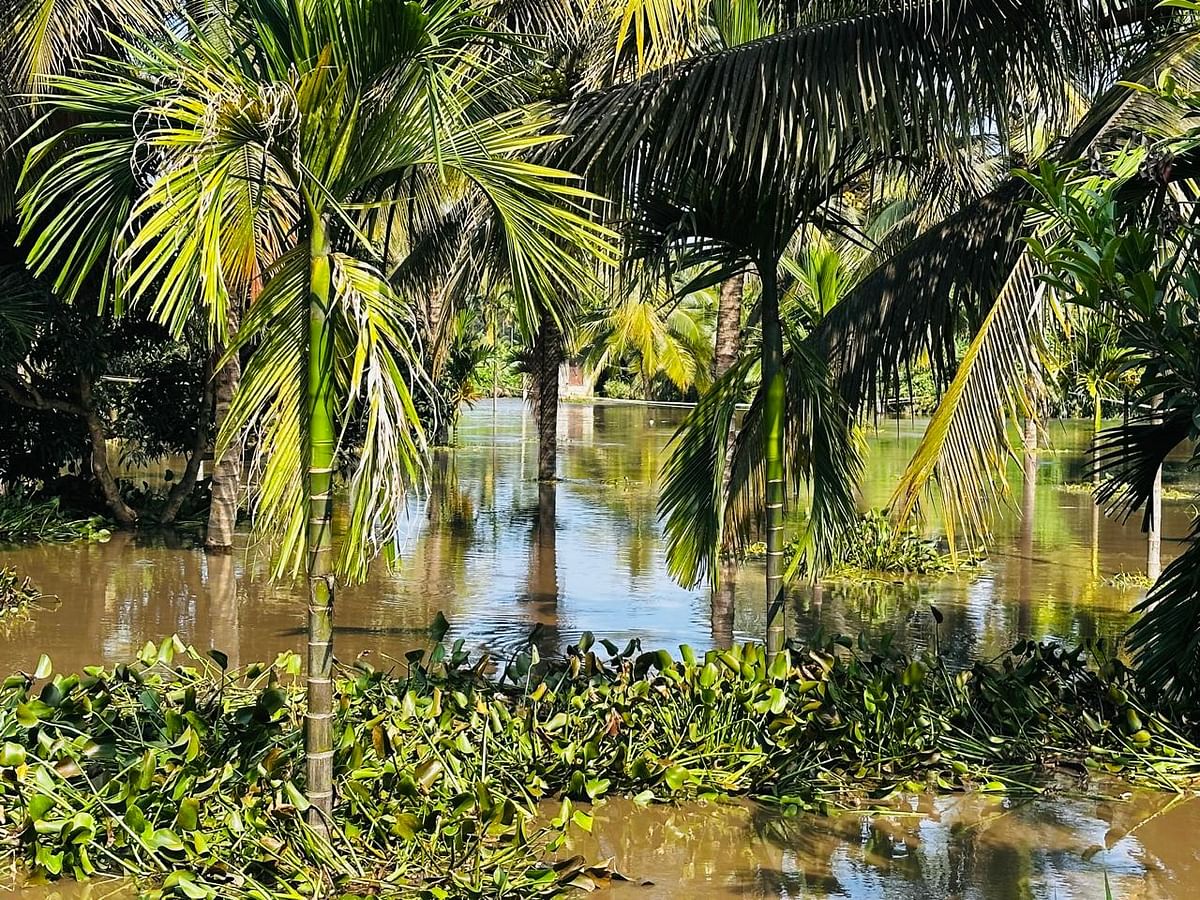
<point x="185" y="777"/>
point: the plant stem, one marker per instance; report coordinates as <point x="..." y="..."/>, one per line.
<point x="773" y="420"/>
<point x="319" y="714"/>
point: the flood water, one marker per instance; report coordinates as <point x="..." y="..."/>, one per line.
<point x="475" y="552"/>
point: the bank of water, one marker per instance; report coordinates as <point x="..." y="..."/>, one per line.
<point x="478" y="551"/>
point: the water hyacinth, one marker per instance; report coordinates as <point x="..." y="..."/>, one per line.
<point x="16" y="593"/>
<point x="185" y="776"/>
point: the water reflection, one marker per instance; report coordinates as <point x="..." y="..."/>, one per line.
<point x="501" y="555"/>
<point x="951" y="846"/>
<point x="508" y="560"/>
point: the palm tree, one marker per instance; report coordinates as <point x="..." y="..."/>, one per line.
<point x="300" y="125"/>
<point x="1121" y="246"/>
<point x="974" y="274"/>
<point x="656" y="333"/>
<point x="725" y="157"/>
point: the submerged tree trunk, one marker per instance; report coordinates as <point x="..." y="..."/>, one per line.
<point x="773" y="425"/>
<point x="318" y="719"/>
<point x="547" y="359"/>
<point x="98" y="436"/>
<point x="227" y="471"/>
<point x="187" y="481"/>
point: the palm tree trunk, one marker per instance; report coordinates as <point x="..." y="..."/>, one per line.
<point x="548" y="354"/>
<point x="726" y="348"/>
<point x="227" y="471"/>
<point x="729" y="325"/>
<point x="1154" y="535"/>
<point x="318" y="720"/>
<point x="773" y="421"/>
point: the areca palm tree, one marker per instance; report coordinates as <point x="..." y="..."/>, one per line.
<point x="301" y="126"/>
<point x="726" y="156"/>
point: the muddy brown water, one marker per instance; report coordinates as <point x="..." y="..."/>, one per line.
<point x="475" y="552"/>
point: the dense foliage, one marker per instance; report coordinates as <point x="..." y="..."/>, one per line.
<point x="179" y="772"/>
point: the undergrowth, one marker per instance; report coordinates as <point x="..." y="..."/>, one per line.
<point x="23" y="519"/>
<point x="183" y="775"/>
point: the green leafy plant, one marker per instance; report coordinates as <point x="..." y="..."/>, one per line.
<point x="174" y="769"/>
<point x="16" y="592"/>
<point x="23" y="519"/>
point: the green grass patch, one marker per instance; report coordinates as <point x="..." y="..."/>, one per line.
<point x="188" y="778"/>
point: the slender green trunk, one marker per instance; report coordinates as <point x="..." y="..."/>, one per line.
<point x="318" y="722"/>
<point x="1154" y="532"/>
<point x="773" y="422"/>
<point x="1097" y="424"/>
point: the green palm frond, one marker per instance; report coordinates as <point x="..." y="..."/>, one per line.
<point x="823" y="451"/>
<point x="913" y="303"/>
<point x="381" y="369"/>
<point x="693" y="501"/>
<point x="661" y="335"/>
<point x="767" y="118"/>
<point x="1129" y="456"/>
<point x="975" y="271"/>
<point x="271" y="405"/>
<point x="1165" y="638"/>
<point x="965" y="445"/>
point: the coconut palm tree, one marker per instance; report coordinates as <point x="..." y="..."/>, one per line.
<point x="657" y="333"/>
<point x="725" y="157"/>
<point x="302" y="125"/>
<point x="973" y="274"/>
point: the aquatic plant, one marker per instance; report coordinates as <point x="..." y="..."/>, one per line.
<point x="22" y="519"/>
<point x="189" y="775"/>
<point x="1129" y="580"/>
<point x="875" y="545"/>
<point x="16" y="592"/>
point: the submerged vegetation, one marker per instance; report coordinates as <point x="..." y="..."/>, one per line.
<point x="16" y="592"/>
<point x="875" y="545"/>
<point x="24" y="519"/>
<point x="178" y="772"/>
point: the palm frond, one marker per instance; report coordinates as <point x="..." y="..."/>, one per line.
<point x="966" y="444"/>
<point x="381" y="369"/>
<point x="693" y="500"/>
<point x="823" y="450"/>
<point x="1128" y="458"/>
<point x="766" y="118"/>
<point x="1165" y="638"/>
<point x="705" y="509"/>
<point x="914" y="302"/>
<point x="271" y="405"/>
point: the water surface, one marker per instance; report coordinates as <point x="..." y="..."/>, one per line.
<point x="477" y="551"/>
